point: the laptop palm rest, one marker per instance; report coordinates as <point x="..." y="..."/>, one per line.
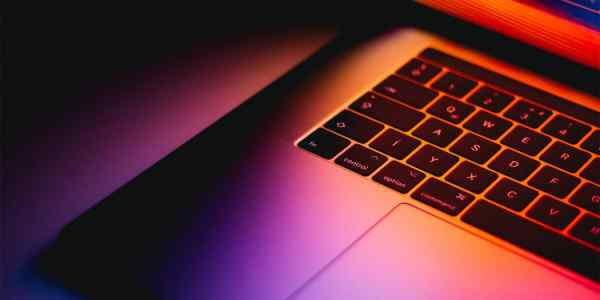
<point x="412" y="255"/>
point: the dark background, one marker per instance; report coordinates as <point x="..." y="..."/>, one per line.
<point x="93" y="96"/>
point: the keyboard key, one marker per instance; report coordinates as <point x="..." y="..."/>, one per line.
<point x="566" y="129"/>
<point x="535" y="238"/>
<point x="554" y="182"/>
<point x="528" y="114"/>
<point x="565" y="157"/>
<point x="443" y="196"/>
<point x="511" y="194"/>
<point x="451" y="110"/>
<point x="406" y="91"/>
<point x="418" y="70"/>
<point x="432" y="160"/>
<point x="437" y="132"/>
<point x="588" y="197"/>
<point x="360" y="160"/>
<point x="354" y="126"/>
<point x="592" y="143"/>
<point x="490" y="99"/>
<point x="553" y="212"/>
<point x="399" y="177"/>
<point x="526" y="140"/>
<point x="454" y="85"/>
<point x="471" y="177"/>
<point x="554" y="102"/>
<point x="475" y="148"/>
<point x="394" y="143"/>
<point x="592" y="171"/>
<point x="588" y="229"/>
<point x="324" y="143"/>
<point x="487" y="125"/>
<point x="514" y="164"/>
<point x="389" y="112"/>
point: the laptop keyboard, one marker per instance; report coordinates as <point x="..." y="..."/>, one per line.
<point x="468" y="142"/>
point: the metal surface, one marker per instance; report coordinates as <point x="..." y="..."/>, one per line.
<point x="412" y="255"/>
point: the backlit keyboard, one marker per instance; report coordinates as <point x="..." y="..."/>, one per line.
<point x="500" y="155"/>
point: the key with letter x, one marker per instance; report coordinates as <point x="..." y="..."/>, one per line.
<point x="471" y="177"/>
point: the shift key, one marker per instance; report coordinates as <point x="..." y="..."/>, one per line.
<point x="443" y="196"/>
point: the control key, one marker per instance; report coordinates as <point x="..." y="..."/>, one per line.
<point x="360" y="160"/>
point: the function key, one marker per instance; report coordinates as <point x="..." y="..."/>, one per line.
<point x="511" y="194"/>
<point x="528" y="114"/>
<point x="587" y="229"/>
<point x="592" y="143"/>
<point x="354" y="126"/>
<point x="514" y="164"/>
<point x="554" y="182"/>
<point x="566" y="129"/>
<point x="442" y="196"/>
<point x="389" y="112"/>
<point x="451" y="110"/>
<point x="394" y="143"/>
<point x="553" y="212"/>
<point x="475" y="148"/>
<point x="565" y="157"/>
<point x="471" y="177"/>
<point x="454" y="85"/>
<point x="324" y="143"/>
<point x="399" y="177"/>
<point x="405" y="91"/>
<point x="432" y="160"/>
<point x="360" y="160"/>
<point x="419" y="71"/>
<point x="525" y="140"/>
<point x="487" y="125"/>
<point x="588" y="197"/>
<point x="490" y="99"/>
<point x="437" y="132"/>
<point x="592" y="171"/>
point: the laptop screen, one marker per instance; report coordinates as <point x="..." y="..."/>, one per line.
<point x="584" y="12"/>
<point x="568" y="28"/>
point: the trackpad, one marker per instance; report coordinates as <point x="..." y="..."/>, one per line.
<point x="413" y="255"/>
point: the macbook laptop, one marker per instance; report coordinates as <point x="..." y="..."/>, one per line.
<point x="453" y="156"/>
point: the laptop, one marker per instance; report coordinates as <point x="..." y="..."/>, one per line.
<point x="455" y="158"/>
